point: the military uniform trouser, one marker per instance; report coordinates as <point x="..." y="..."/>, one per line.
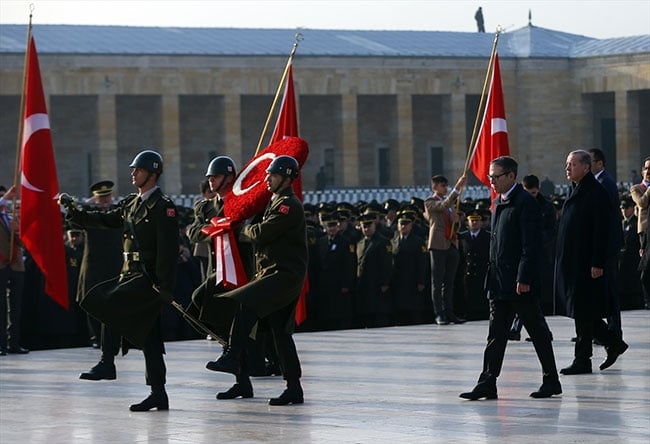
<point x="10" y="305"/>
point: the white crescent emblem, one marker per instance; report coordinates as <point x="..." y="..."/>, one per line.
<point x="236" y="188"/>
<point x="33" y="123"/>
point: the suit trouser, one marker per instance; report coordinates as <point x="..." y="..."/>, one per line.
<point x="502" y="312"/>
<point x="613" y="297"/>
<point x="586" y="330"/>
<point x="444" y="264"/>
<point x="110" y="343"/>
<point x="10" y="306"/>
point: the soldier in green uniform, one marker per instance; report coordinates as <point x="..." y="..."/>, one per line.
<point x="280" y="241"/>
<point x="131" y="303"/>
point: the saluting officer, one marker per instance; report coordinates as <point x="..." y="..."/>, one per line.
<point x="131" y="303"/>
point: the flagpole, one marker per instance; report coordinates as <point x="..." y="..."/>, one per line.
<point x="481" y="105"/>
<point x="483" y="95"/>
<point x="19" y="142"/>
<point x="297" y="38"/>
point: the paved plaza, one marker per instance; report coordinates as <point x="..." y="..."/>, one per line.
<point x="388" y="385"/>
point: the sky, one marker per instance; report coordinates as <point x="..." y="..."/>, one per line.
<point x="592" y="18"/>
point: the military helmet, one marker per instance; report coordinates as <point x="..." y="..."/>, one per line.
<point x="221" y="165"/>
<point x="285" y="166"/>
<point x="148" y="160"/>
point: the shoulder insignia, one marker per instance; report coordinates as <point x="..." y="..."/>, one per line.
<point x="171" y="212"/>
<point x="284" y="209"/>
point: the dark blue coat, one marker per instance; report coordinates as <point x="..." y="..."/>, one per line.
<point x="515" y="246"/>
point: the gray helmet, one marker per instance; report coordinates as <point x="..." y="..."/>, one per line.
<point x="221" y="165"/>
<point x="148" y="160"/>
<point x="285" y="166"/>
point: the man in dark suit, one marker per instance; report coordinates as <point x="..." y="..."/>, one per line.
<point x="373" y="302"/>
<point x="102" y="260"/>
<point x="410" y="268"/>
<point x="628" y="265"/>
<point x="335" y="263"/>
<point x="131" y="303"/>
<point x="581" y="258"/>
<point x="475" y="252"/>
<point x="280" y="242"/>
<point x="513" y="282"/>
<point x="615" y="241"/>
<point x="12" y="278"/>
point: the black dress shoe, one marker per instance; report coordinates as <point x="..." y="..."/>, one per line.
<point x="442" y="320"/>
<point x="577" y="368"/>
<point x="547" y="390"/>
<point x="477" y="394"/>
<point x="456" y="320"/>
<point x="613" y="352"/>
<point x="289" y="396"/>
<point x="103" y="370"/>
<point x="17" y="350"/>
<point x="156" y="400"/>
<point x="226" y="363"/>
<point x="236" y="391"/>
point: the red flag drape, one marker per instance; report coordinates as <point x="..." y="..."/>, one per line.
<point x="287" y="126"/>
<point x="41" y="228"/>
<point x="492" y="141"/>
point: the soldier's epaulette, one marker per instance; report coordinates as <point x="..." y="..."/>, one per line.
<point x="128" y="199"/>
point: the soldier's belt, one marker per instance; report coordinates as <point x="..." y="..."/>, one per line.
<point x="132" y="256"/>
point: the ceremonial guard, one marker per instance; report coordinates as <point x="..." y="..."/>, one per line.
<point x="131" y="303"/>
<point x="280" y="242"/>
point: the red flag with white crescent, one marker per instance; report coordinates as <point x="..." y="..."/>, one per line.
<point x="41" y="228"/>
<point x="492" y="141"/>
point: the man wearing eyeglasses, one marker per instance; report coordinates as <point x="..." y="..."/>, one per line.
<point x="443" y="246"/>
<point x="513" y="281"/>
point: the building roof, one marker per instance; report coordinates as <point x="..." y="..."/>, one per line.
<point x="527" y="42"/>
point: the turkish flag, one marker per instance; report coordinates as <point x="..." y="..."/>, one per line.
<point x="492" y="141"/>
<point x="41" y="228"/>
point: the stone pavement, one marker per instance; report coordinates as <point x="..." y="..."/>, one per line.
<point x="389" y="385"/>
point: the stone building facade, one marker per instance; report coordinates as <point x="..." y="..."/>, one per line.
<point x="372" y="117"/>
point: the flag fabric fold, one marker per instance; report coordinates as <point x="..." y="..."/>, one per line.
<point x="492" y="141"/>
<point x="41" y="228"/>
<point x="287" y="126"/>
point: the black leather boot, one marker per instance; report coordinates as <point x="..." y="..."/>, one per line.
<point x="103" y="370"/>
<point x="228" y="362"/>
<point x="239" y="390"/>
<point x="578" y="367"/>
<point x="291" y="395"/>
<point x="156" y="400"/>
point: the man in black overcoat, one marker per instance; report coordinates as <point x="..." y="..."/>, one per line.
<point x="581" y="258"/>
<point x="513" y="282"/>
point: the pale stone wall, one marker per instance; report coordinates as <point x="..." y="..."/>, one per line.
<point x="355" y="105"/>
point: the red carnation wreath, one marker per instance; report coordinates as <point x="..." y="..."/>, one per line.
<point x="249" y="194"/>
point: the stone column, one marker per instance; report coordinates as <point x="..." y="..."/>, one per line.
<point x="626" y="111"/>
<point x="232" y="129"/>
<point x="105" y="153"/>
<point x="171" y="151"/>
<point x="457" y="152"/>
<point x="350" y="148"/>
<point x="404" y="157"/>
